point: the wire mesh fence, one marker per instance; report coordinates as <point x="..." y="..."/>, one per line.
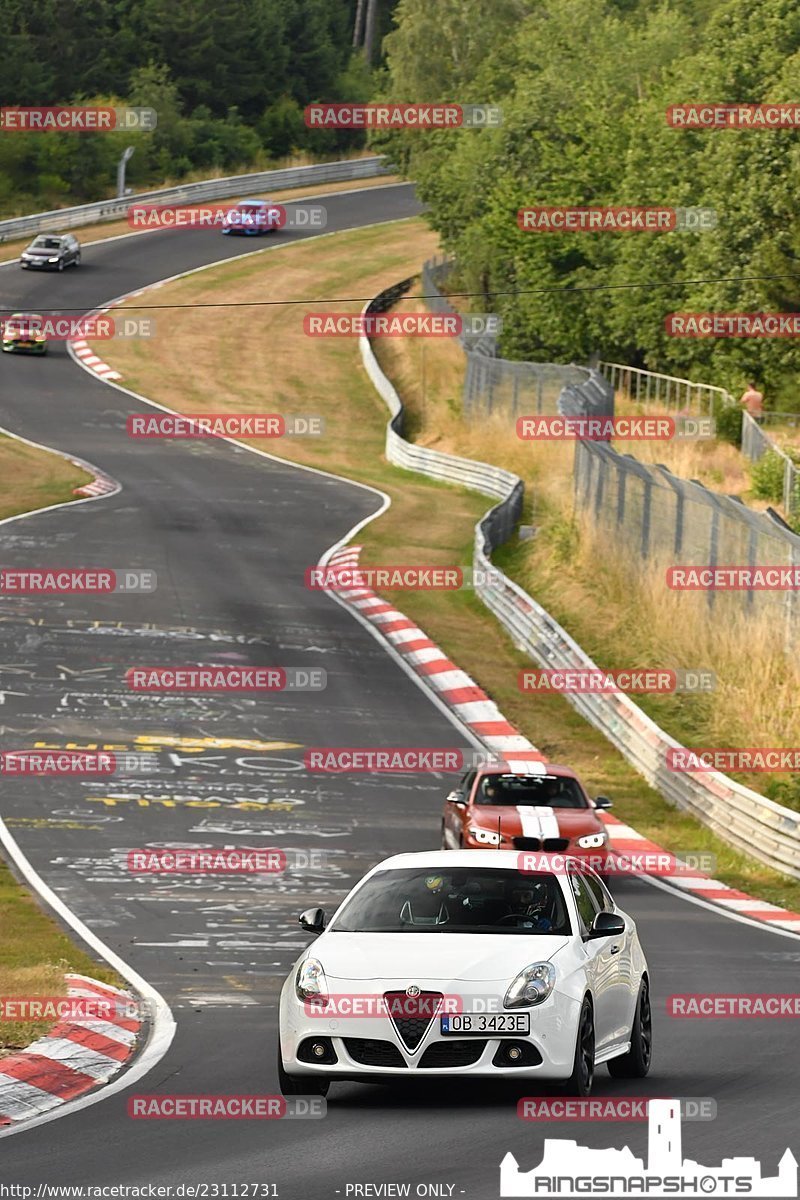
<point x="494" y="385"/>
<point x="756" y="442"/>
<point x="668" y="521"/>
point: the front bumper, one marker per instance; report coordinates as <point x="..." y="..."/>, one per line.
<point x="371" y="1048"/>
<point x="24" y="347"/>
<point x="39" y="264"/>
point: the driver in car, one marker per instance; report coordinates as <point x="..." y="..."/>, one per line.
<point x="527" y="908"/>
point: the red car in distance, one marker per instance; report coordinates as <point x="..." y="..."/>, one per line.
<point x="548" y="811"/>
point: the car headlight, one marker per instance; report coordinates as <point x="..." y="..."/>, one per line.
<point x="532" y="986"/>
<point x="53" y="259"/>
<point x="592" y="841"/>
<point x="310" y="982"/>
<point x="488" y="837"/>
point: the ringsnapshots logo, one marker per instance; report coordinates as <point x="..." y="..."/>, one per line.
<point x="614" y="219"/>
<point x="77" y="119"/>
<point x="214" y="678"/>
<point x="631" y="681"/>
<point x="244" y="217"/>
<point x="402" y="116"/>
<point x="223" y="425"/>
<point x="397" y="324"/>
<point x="74" y="581"/>
<point x="76" y="762"/>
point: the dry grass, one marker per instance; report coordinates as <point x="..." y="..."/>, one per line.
<point x="34" y="955"/>
<point x="31" y="478"/>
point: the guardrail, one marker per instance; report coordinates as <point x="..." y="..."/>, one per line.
<point x="754" y="824"/>
<point x="190" y="193"/>
<point x="646" y="387"/>
<point x="755" y="444"/>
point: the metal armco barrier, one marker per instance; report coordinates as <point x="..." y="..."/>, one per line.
<point x="190" y="193"/>
<point x="761" y="828"/>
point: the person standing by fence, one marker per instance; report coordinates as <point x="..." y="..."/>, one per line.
<point x="753" y="401"/>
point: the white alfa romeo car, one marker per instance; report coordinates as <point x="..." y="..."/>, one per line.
<point x="457" y="963"/>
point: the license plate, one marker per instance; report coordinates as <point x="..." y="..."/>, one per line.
<point x="485" y="1024"/>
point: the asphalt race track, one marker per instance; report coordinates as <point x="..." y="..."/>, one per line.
<point x="229" y="535"/>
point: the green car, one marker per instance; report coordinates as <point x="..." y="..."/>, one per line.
<point x="24" y="333"/>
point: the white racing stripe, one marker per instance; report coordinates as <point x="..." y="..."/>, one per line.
<point x="538" y="822"/>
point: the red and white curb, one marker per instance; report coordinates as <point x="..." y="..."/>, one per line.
<point x="93" y="362"/>
<point x="101" y="485"/>
<point x="72" y="1058"/>
<point x="483" y="718"/>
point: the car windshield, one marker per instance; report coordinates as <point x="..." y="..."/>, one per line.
<point x="458" y="900"/>
<point x="47" y="243"/>
<point x="548" y="791"/>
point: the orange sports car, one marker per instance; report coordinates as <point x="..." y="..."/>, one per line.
<point x="548" y="811"/>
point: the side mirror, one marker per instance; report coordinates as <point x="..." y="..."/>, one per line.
<point x="607" y="924"/>
<point x="602" y="802"/>
<point x="313" y="919"/>
<point x="456" y="797"/>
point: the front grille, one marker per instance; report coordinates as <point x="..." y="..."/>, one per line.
<point x="412" y="1015"/>
<point x="453" y="1054"/>
<point x="371" y="1052"/>
<point x="548" y="844"/>
<point x="526" y="843"/>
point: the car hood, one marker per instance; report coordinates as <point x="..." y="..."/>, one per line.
<point x="536" y="821"/>
<point x="413" y="957"/>
<point x="42" y="253"/>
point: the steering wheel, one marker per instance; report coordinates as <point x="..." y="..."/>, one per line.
<point x="519" y="918"/>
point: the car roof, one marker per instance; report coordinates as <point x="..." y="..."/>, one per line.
<point x="547" y="768"/>
<point x="24" y="316"/>
<point x="507" y="860"/>
<point x="239" y="203"/>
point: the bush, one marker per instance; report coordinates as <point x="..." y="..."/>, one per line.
<point x="766" y="477"/>
<point x="729" y="423"/>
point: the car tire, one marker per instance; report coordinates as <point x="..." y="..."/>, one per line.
<point x="582" y="1077"/>
<point x="444" y="839"/>
<point x="636" y="1063"/>
<point x="77" y="262"/>
<point x="296" y="1085"/>
<point x="60" y="266"/>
